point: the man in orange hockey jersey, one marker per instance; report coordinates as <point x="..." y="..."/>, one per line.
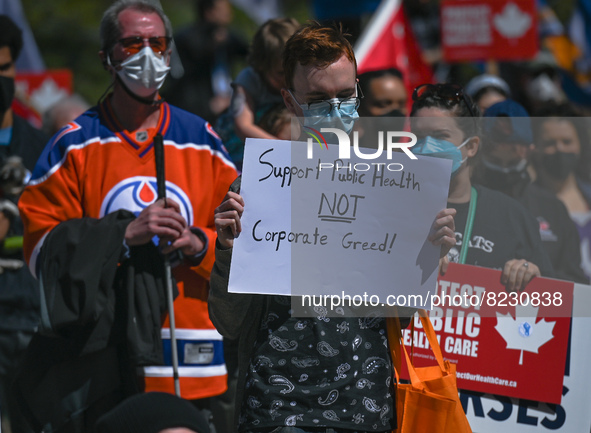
<point x="95" y="235"/>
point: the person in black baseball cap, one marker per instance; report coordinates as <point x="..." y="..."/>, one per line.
<point x="507" y="143"/>
<point x="153" y="412"/>
<point x="507" y="148"/>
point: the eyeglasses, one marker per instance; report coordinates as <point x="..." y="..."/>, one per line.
<point x="326" y="106"/>
<point x="134" y="44"/>
<point x="450" y="93"/>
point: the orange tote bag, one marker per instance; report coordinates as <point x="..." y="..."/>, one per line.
<point x="430" y="403"/>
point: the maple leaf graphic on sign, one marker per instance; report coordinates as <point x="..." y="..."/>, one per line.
<point x="512" y="22"/>
<point x="46" y="95"/>
<point x="523" y="333"/>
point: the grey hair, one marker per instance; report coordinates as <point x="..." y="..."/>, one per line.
<point x="110" y="31"/>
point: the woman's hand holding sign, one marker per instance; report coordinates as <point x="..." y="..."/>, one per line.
<point x="443" y="234"/>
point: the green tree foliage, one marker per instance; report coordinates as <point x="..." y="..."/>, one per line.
<point x="66" y="32"/>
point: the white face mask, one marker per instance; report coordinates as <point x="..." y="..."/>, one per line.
<point x="543" y="88"/>
<point x="144" y="72"/>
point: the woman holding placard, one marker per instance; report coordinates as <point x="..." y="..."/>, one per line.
<point x="501" y="233"/>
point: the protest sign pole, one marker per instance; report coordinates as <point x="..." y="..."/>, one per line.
<point x="161" y="184"/>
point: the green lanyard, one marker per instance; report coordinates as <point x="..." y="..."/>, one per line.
<point x="469" y="225"/>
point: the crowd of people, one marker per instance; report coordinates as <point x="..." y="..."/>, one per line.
<point x="136" y="201"/>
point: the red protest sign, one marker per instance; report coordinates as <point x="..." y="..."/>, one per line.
<point x="501" y="343"/>
<point x="488" y="29"/>
<point x="38" y="91"/>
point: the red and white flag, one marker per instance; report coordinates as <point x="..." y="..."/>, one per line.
<point x="388" y="41"/>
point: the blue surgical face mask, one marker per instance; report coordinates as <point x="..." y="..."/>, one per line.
<point x="430" y="146"/>
<point x="331" y="113"/>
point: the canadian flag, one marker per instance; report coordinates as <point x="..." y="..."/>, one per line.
<point x="388" y="41"/>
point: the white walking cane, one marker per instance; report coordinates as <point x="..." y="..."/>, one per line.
<point x="161" y="184"/>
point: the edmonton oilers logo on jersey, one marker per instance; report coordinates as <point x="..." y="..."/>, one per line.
<point x="137" y="193"/>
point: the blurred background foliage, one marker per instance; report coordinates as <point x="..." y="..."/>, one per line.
<point x="67" y="33"/>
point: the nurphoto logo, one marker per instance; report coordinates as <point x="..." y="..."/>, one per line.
<point x="385" y="139"/>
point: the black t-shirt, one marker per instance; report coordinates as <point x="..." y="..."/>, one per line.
<point x="503" y="230"/>
<point x="319" y="372"/>
<point x="559" y="234"/>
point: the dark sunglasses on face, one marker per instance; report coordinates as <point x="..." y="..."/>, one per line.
<point x="134" y="44"/>
<point x="450" y="93"/>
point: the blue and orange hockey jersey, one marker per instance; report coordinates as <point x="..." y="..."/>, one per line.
<point x="93" y="167"/>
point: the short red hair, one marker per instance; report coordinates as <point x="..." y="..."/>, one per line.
<point x="318" y="45"/>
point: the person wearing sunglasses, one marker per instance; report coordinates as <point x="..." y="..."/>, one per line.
<point x="322" y="93"/>
<point x="96" y="232"/>
<point x="139" y="63"/>
<point x="276" y="349"/>
<point x="492" y="229"/>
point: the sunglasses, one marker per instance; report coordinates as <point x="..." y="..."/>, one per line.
<point x="450" y="93"/>
<point x="135" y="44"/>
<point x="325" y="106"/>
